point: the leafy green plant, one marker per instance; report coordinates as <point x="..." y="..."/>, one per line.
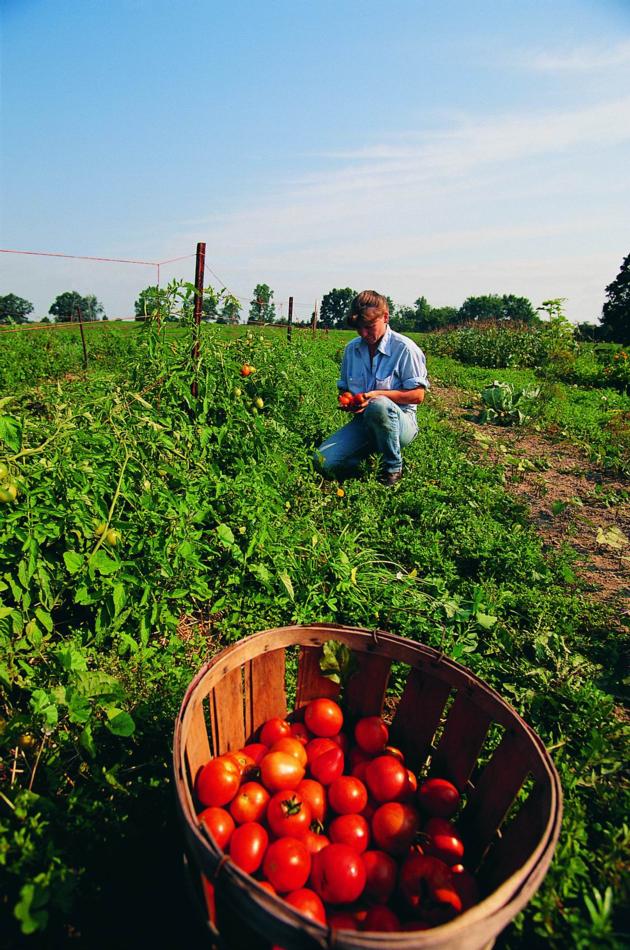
<point x="505" y="405"/>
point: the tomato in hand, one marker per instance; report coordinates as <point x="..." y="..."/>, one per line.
<point x="386" y="778"/>
<point x="287" y="864"/>
<point x="323" y="717"/>
<point x="438" y="797"/>
<point x="371" y="734"/>
<point x="279" y="770"/>
<point x="249" y="803"/>
<point x="347" y="795"/>
<point x="219" y="823"/>
<point x="288" y="815"/>
<point x="218" y="781"/>
<point x="248" y="846"/>
<point x="338" y="874"/>
<point x="308" y="903"/>
<point x="352" y="830"/>
<point x="394" y="827"/>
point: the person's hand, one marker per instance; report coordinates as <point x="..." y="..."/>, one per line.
<point x="352" y="402"/>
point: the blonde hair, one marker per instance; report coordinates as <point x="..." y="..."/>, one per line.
<point x="365" y="300"/>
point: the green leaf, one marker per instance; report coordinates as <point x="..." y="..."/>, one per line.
<point x="42" y="705"/>
<point x="612" y="538"/>
<point x="337" y="661"/>
<point x="286" y="580"/>
<point x="86" y="741"/>
<point x="44" y="618"/>
<point x="79" y="709"/>
<point x="225" y="534"/>
<point x="118" y="595"/>
<point x="30" y="910"/>
<point x="71" y="658"/>
<point x="103" y="563"/>
<point x="11" y="432"/>
<point x="485" y="620"/>
<point x="73" y="561"/>
<point x="120" y="722"/>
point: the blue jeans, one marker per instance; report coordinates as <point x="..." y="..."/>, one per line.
<point x="383" y="428"/>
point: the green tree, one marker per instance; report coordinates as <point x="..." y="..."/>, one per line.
<point x="261" y="307"/>
<point x="231" y="311"/>
<point x="443" y="317"/>
<point x="497" y="307"/>
<point x="68" y="305"/>
<point x="616" y="310"/>
<point x="148" y="303"/>
<point x="335" y="307"/>
<point x="14" y="309"/>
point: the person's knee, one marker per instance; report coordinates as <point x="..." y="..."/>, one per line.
<point x="379" y="410"/>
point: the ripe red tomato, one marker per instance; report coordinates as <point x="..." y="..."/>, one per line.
<point x="316" y="747"/>
<point x="291" y="746"/>
<point x="371" y="734"/>
<point x="219" y="823"/>
<point x="244" y="762"/>
<point x="347" y="795"/>
<point x="299" y="731"/>
<point x="427" y="886"/>
<point x="410" y="790"/>
<point x="315" y="794"/>
<point x="438" y="797"/>
<point x="382" y="919"/>
<point x="338" y="874"/>
<point x="381" y="873"/>
<point x="315" y="842"/>
<point x="342" y="741"/>
<point x="394" y="826"/>
<point x="395" y="751"/>
<point x="248" y="846"/>
<point x="466" y="886"/>
<point x="247" y="370"/>
<point x="218" y="781"/>
<point x="343" y="920"/>
<point x="256" y="751"/>
<point x="328" y="766"/>
<point x="443" y="841"/>
<point x="386" y="778"/>
<point x="308" y="903"/>
<point x="352" y="830"/>
<point x="249" y="803"/>
<point x="288" y="815"/>
<point x="274" y="729"/>
<point x="287" y="864"/>
<point x="345" y="399"/>
<point x="323" y="717"/>
<point x="280" y="771"/>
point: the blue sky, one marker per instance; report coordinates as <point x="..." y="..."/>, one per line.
<point x="439" y="147"/>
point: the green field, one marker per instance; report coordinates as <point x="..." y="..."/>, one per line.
<point x="222" y="528"/>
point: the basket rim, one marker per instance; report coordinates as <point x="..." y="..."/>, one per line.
<point x="500" y="906"/>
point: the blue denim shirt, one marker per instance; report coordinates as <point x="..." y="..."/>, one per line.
<point x="398" y="364"/>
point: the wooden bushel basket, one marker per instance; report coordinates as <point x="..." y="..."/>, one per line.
<point x="445" y="717"/>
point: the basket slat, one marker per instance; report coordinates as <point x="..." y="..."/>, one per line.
<point x="418" y="716"/>
<point x="228" y="712"/>
<point x="267" y="696"/>
<point x="496" y="789"/>
<point x="464" y="733"/>
<point x="197" y="746"/>
<point x="365" y="691"/>
<point x="311" y="684"/>
<point x="519" y="838"/>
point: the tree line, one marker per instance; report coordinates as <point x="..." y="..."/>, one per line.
<point x="421" y="317"/>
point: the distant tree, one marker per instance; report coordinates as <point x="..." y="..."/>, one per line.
<point x="442" y="317"/>
<point x="261" y="307"/>
<point x="231" y="310"/>
<point x="45" y="319"/>
<point x="147" y="303"/>
<point x="497" y="307"/>
<point x="402" y="319"/>
<point x="335" y="307"/>
<point x="14" y="309"/>
<point x="616" y="310"/>
<point x="68" y="305"/>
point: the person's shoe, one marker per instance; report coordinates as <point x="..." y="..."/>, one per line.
<point x="390" y="478"/>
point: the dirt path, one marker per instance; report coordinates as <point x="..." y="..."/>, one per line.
<point x="570" y="500"/>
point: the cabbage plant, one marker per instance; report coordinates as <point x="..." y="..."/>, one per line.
<point x="505" y="405"/>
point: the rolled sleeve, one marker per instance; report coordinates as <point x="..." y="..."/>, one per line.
<point x="413" y="370"/>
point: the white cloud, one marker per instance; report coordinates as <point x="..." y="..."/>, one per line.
<point x="580" y="59"/>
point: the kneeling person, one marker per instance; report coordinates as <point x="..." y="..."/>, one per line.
<point x="389" y="370"/>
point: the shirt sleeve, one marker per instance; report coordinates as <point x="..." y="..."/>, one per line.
<point x="413" y="368"/>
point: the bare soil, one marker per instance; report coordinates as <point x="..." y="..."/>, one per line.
<point x="571" y="501"/>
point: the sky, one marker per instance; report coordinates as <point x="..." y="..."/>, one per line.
<point x="436" y="148"/>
